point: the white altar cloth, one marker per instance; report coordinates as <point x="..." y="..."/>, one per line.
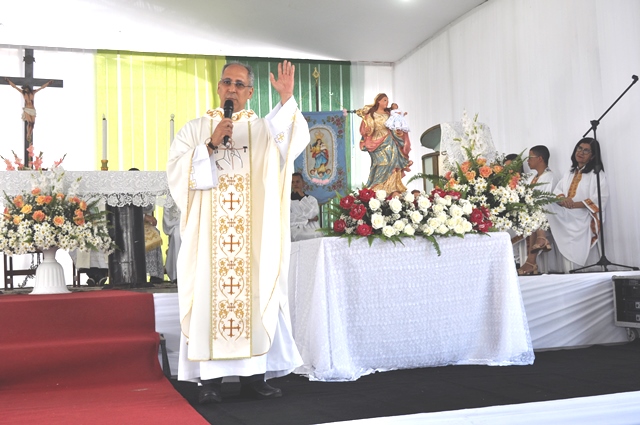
<point x="359" y="309"/>
<point x="117" y="188"/>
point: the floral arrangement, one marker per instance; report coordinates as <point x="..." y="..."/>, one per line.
<point x="499" y="188"/>
<point x="511" y="203"/>
<point x="50" y="216"/>
<point x="374" y="214"/>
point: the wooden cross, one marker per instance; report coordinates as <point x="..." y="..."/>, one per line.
<point x="29" y="82"/>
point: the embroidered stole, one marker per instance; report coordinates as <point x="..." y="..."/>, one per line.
<point x="231" y="255"/>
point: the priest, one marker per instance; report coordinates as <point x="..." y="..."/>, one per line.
<point x="228" y="173"/>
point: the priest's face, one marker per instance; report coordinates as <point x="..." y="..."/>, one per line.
<point x="234" y="85"/>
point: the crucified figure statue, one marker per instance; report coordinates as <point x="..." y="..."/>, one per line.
<point x="29" y="110"/>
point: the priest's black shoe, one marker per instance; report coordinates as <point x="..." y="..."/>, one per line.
<point x="210" y="393"/>
<point x="260" y="390"/>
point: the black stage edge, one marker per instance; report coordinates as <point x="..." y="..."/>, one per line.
<point x="555" y="375"/>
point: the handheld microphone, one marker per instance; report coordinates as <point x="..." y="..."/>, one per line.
<point x="228" y="111"/>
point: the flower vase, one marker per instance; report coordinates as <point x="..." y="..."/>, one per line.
<point x="49" y="275"/>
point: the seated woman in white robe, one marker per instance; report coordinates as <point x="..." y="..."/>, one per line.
<point x="574" y="221"/>
<point x="304" y="212"/>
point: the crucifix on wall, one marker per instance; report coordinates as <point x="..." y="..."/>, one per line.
<point x="28" y="93"/>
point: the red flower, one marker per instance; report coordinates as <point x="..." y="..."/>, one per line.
<point x="365" y="195"/>
<point x="358" y="211"/>
<point x="339" y="225"/>
<point x="347" y="202"/>
<point x="485" y="226"/>
<point x="363" y="230"/>
<point x="476" y="216"/>
<point x="437" y="191"/>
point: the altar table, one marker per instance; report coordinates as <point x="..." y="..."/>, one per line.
<point x="359" y="309"/>
<point x="114" y="188"/>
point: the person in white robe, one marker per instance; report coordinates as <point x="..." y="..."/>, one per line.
<point x="543" y="179"/>
<point x="304" y="212"/>
<point x="574" y="221"/>
<point x="233" y="197"/>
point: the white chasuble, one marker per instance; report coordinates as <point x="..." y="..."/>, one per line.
<point x="233" y="260"/>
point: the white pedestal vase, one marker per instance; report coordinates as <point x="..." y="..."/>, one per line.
<point x="49" y="275"/>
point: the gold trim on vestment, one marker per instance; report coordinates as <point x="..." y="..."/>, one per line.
<point x="573" y="188"/>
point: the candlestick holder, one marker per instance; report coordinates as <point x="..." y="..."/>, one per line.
<point x="104" y="167"/>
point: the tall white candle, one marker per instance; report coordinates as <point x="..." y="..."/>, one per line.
<point x="171" y="129"/>
<point x="104" y="137"/>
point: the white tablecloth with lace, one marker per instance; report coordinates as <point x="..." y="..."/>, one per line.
<point x="359" y="309"/>
<point x="117" y="188"/>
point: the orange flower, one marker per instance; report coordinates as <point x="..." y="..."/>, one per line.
<point x="48" y="199"/>
<point x="40" y="199"/>
<point x="78" y="217"/>
<point x="6" y="214"/>
<point x="26" y="209"/>
<point x="452" y="182"/>
<point x="58" y="220"/>
<point x="17" y="219"/>
<point x="465" y="166"/>
<point x="39" y="216"/>
<point x="18" y="201"/>
<point x="481" y="161"/>
<point x="36" y="191"/>
<point x="83" y="205"/>
<point x="497" y="168"/>
<point x="60" y="196"/>
<point x="74" y="200"/>
<point x="448" y="175"/>
<point x="514" y="181"/>
<point x="470" y="175"/>
<point x="485" y="171"/>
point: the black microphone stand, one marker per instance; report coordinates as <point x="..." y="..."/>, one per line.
<point x="603" y="262"/>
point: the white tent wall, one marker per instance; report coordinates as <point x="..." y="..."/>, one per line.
<point x="537" y="72"/>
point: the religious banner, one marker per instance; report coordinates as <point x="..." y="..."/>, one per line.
<point x="323" y="162"/>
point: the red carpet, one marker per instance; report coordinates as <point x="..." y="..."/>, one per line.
<point x="86" y="357"/>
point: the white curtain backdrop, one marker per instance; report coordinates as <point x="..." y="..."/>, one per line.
<point x="537" y="72"/>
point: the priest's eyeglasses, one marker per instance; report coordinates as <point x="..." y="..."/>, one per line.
<point x="239" y="84"/>
<point x="586" y="151"/>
